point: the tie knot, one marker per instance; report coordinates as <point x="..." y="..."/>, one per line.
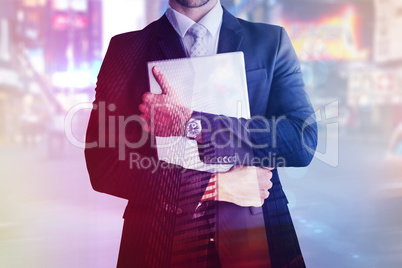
<point x="197" y="31"/>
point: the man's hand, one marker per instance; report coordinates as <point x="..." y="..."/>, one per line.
<point x="164" y="114"/>
<point x="245" y="186"/>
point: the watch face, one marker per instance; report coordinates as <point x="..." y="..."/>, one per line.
<point x="193" y="129"/>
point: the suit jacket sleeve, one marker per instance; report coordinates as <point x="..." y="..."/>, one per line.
<point x="107" y="173"/>
<point x="285" y="136"/>
<point x="119" y="156"/>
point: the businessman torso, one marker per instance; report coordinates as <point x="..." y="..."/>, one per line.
<point x="123" y="80"/>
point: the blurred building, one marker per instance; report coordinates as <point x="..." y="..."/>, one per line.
<point x="348" y="49"/>
<point x="349" y="52"/>
<point x="375" y="90"/>
<point x="50" y="52"/>
<point x="14" y="79"/>
<point x="73" y="42"/>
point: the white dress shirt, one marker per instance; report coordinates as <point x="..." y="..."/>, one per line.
<point x="212" y="21"/>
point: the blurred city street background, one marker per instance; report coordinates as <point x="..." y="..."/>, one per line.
<point x="346" y="206"/>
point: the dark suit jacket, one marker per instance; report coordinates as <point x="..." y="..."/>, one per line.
<point x="276" y="94"/>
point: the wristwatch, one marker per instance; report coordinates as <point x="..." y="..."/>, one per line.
<point x="193" y="128"/>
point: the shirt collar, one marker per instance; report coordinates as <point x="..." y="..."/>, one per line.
<point x="181" y="23"/>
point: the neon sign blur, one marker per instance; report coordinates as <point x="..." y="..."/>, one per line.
<point x="332" y="37"/>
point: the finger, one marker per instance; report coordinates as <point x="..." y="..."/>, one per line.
<point x="266" y="187"/>
<point x="267" y="171"/>
<point x="269" y="168"/>
<point x="149" y="127"/>
<point x="161" y="79"/>
<point x="159" y="126"/>
<point x="149" y="98"/>
<point x="146" y="128"/>
<point x="145" y="95"/>
<point x="145" y="123"/>
<point x="265" y="174"/>
<point x="144" y="108"/>
<point x="264" y="194"/>
<point x="264" y="170"/>
<point x="157" y="101"/>
<point x="264" y="184"/>
<point x="145" y="118"/>
<point x="264" y="191"/>
<point x="151" y="110"/>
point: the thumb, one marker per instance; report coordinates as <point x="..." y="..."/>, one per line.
<point x="162" y="81"/>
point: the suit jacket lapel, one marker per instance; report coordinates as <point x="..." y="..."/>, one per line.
<point x="230" y="37"/>
<point x="170" y="45"/>
<point x="169" y="41"/>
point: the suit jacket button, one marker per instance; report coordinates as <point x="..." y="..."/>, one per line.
<point x="179" y="211"/>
